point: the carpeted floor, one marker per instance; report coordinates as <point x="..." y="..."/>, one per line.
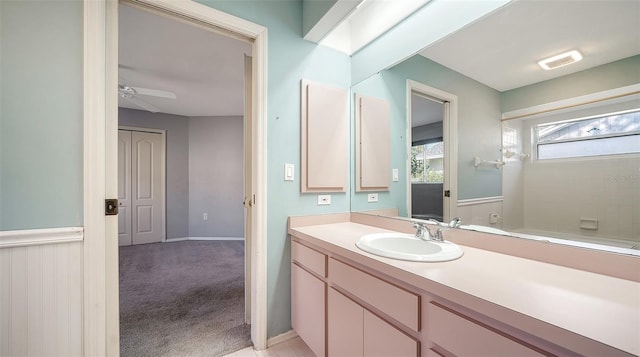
<point x="182" y="299"/>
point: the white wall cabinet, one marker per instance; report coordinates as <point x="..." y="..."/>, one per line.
<point x="373" y="144"/>
<point x="324" y="123"/>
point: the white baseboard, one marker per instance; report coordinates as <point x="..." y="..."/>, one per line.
<point x="169" y="240"/>
<point x="289" y="335"/>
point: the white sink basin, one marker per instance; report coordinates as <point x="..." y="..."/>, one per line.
<point x="407" y="247"/>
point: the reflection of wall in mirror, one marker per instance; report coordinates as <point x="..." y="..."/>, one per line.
<point x="478" y="128"/>
<point x="557" y="194"/>
<point x="479" y="134"/>
<point x="554" y="195"/>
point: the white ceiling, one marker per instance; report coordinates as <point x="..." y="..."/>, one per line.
<point x="502" y="49"/>
<point x="425" y="111"/>
<point x="204" y="69"/>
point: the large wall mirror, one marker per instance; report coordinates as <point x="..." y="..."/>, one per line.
<point x="519" y="150"/>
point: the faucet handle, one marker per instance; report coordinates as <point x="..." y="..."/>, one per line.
<point x="455" y="223"/>
<point x="438" y="236"/>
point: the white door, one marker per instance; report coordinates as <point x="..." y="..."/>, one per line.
<point x="140" y="187"/>
<point x="248" y="189"/>
<point x="124" y="187"/>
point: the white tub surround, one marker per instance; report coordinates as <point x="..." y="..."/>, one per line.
<point x="501" y="285"/>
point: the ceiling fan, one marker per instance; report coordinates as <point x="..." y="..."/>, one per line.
<point x="131" y="94"/>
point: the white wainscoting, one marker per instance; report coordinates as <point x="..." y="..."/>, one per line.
<point x="41" y="286"/>
<point x="478" y="210"/>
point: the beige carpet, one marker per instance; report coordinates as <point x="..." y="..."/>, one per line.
<point x="182" y="299"/>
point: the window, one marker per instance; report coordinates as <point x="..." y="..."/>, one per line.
<point x="610" y="134"/>
<point x="427" y="163"/>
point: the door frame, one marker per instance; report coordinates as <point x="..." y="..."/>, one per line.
<point x="100" y="132"/>
<point x="163" y="173"/>
<point x="449" y="133"/>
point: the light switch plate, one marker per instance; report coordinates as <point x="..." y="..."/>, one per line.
<point x="289" y="170"/>
<point x="396" y="175"/>
<point x="372" y="197"/>
<point x="324" y="200"/>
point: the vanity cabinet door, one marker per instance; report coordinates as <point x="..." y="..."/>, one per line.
<point x="345" y="332"/>
<point x="354" y="331"/>
<point x="382" y="339"/>
<point x="307" y="308"/>
<point x="462" y="336"/>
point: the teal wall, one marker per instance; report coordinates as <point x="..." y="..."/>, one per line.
<point x="40" y="114"/>
<point x="384" y="86"/>
<point x="608" y="76"/>
<point x="290" y="59"/>
<point x="479" y="128"/>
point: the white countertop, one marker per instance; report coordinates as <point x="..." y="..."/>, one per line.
<point x="600" y="307"/>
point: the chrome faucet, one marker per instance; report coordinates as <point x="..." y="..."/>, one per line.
<point x="455" y="223"/>
<point x="423" y="232"/>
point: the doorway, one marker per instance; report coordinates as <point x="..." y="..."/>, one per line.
<point x="431" y="152"/>
<point x="254" y="110"/>
<point x="427" y="157"/>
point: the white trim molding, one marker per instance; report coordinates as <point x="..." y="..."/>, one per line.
<point x="27" y="237"/>
<point x="569" y="103"/>
<point x="479" y="201"/>
<point x="95" y="245"/>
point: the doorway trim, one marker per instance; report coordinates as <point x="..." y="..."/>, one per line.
<point x="450" y="133"/>
<point x="101" y="310"/>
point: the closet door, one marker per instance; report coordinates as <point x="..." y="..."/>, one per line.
<point x="146" y="190"/>
<point x="124" y="187"/>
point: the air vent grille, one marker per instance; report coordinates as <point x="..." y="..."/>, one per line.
<point x="560" y="60"/>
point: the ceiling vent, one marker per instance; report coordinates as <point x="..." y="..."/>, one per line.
<point x="560" y="60"/>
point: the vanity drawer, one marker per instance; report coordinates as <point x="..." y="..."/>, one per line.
<point x="400" y="304"/>
<point x="311" y="259"/>
<point x="462" y="336"/>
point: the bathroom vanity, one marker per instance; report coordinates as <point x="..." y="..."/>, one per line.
<point x="346" y="302"/>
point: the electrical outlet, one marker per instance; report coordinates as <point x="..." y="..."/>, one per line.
<point x="324" y="200"/>
<point x="372" y="197"/>
<point x="493" y="218"/>
<point x="205" y="216"/>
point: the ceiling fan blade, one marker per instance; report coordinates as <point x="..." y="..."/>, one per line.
<point x="154" y="92"/>
<point x="142" y="104"/>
